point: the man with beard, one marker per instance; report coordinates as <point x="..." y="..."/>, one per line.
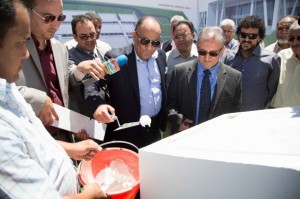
<point x="288" y="91"/>
<point x="282" y="33"/>
<point x="183" y="36"/>
<point x="259" y="67"/>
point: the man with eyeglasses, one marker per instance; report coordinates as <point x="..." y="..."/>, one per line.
<point x="44" y="79"/>
<point x="282" y="33"/>
<point x="84" y="59"/>
<point x="170" y="44"/>
<point x="288" y="91"/>
<point x="204" y="88"/>
<point x="137" y="89"/>
<point x="228" y="27"/>
<point x="183" y="36"/>
<point x="259" y="67"/>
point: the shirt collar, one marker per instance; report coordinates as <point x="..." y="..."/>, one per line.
<point x="192" y="53"/>
<point x="4" y="86"/>
<point x="48" y="48"/>
<point x="213" y="70"/>
<point x="154" y="56"/>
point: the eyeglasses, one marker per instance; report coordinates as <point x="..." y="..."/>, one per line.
<point x="182" y="36"/>
<point x="50" y="18"/>
<point x="211" y="53"/>
<point x="292" y="38"/>
<point x="145" y="41"/>
<point x="281" y="28"/>
<point x="85" y="37"/>
<point x="249" y="35"/>
<point x="227" y="31"/>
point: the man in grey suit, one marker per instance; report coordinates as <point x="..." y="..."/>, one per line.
<point x="84" y="59"/>
<point x="186" y="87"/>
<point x="44" y="79"/>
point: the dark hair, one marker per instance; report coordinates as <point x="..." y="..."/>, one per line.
<point x="184" y="21"/>
<point x="142" y="19"/>
<point x="7" y="16"/>
<point x="77" y="19"/>
<point x="252" y="22"/>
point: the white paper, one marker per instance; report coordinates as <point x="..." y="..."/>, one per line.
<point x="75" y="122"/>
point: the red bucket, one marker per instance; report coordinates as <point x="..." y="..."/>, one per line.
<point x="88" y="170"/>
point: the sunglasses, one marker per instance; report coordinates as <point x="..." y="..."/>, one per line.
<point x="249" y="35"/>
<point x="292" y="38"/>
<point x="145" y="41"/>
<point x="84" y="37"/>
<point x="211" y="53"/>
<point x="50" y="18"/>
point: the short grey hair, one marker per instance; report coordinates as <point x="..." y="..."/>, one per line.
<point x="211" y="33"/>
<point x="176" y="18"/>
<point x="295" y="26"/>
<point x="227" y="22"/>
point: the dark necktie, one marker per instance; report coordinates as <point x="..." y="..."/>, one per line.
<point x="205" y="99"/>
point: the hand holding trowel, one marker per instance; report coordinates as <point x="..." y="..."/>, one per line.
<point x="144" y="121"/>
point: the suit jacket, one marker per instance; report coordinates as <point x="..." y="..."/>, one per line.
<point x="77" y="55"/>
<point x="31" y="80"/>
<point x="182" y="94"/>
<point x="125" y="98"/>
<point x="166" y="46"/>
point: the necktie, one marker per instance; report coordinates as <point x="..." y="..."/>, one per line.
<point x="205" y="98"/>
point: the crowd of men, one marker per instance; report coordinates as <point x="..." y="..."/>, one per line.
<point x="182" y="82"/>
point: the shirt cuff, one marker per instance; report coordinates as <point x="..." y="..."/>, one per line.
<point x="78" y="75"/>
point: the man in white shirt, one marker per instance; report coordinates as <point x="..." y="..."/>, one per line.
<point x="282" y="33"/>
<point x="288" y="90"/>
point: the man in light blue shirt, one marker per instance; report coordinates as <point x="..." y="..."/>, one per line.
<point x="137" y="89"/>
<point x="186" y="91"/>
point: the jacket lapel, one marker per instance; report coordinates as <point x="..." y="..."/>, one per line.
<point x="191" y="78"/>
<point x="36" y="59"/>
<point x="221" y="79"/>
<point x="133" y="74"/>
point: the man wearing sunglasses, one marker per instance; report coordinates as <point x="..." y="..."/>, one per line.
<point x="84" y="59"/>
<point x="204" y="88"/>
<point x="259" y="67"/>
<point x="288" y="91"/>
<point x="282" y="33"/>
<point x="137" y="89"/>
<point x="44" y="79"/>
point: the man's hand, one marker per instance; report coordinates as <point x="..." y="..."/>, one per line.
<point x="48" y="113"/>
<point x="103" y="113"/>
<point x="94" y="68"/>
<point x="185" y="124"/>
<point x="83" y="150"/>
<point x="90" y="191"/>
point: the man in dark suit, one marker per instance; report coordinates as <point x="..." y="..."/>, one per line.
<point x="137" y="89"/>
<point x="185" y="91"/>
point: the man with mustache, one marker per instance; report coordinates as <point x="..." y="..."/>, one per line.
<point x="282" y="33"/>
<point x="288" y="91"/>
<point x="259" y="67"/>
